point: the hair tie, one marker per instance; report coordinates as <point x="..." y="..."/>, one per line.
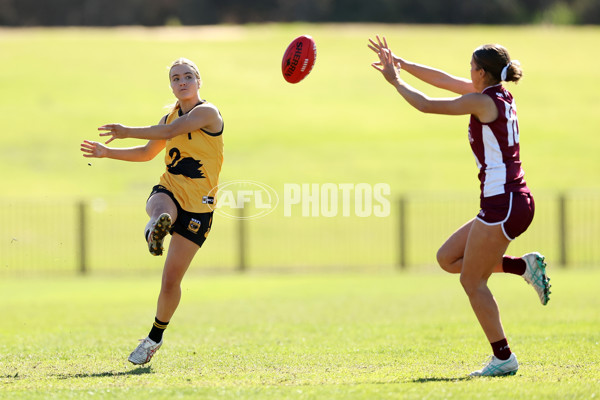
<point x="504" y="71"/>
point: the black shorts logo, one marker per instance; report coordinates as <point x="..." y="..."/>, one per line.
<point x="194" y="225"/>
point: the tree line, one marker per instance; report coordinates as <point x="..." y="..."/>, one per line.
<point x="204" y="12"/>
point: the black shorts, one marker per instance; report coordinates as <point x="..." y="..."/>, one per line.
<point x="192" y="226"/>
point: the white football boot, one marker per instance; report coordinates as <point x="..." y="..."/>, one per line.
<point x="535" y="275"/>
<point x="144" y="351"/>
<point x="497" y="367"/>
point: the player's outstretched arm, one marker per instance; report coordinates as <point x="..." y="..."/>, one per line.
<point x="432" y="76"/>
<point x="147" y="152"/>
<point x="477" y="104"/>
<point x="199" y="117"/>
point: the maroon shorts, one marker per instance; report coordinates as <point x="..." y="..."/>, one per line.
<point x="513" y="211"/>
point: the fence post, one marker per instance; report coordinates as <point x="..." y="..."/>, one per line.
<point x="81" y="239"/>
<point x="562" y="228"/>
<point x="402" y="233"/>
<point x="241" y="241"/>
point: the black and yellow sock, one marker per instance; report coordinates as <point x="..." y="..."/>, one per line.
<point x="158" y="328"/>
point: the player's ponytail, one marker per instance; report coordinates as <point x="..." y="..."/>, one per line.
<point x="513" y="72"/>
<point x="495" y="60"/>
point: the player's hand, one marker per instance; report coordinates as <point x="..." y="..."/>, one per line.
<point x="382" y="46"/>
<point x="93" y="149"/>
<point x="115" y="131"/>
<point x="387" y="65"/>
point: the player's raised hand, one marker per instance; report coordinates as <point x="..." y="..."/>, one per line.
<point x="381" y="45"/>
<point x="93" y="149"/>
<point x="387" y="64"/>
<point x="115" y="131"/>
<point x="375" y="46"/>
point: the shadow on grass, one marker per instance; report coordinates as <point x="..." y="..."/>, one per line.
<point x="441" y="379"/>
<point x="458" y="379"/>
<point x="136" y="371"/>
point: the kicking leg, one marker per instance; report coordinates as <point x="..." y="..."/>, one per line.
<point x="162" y="212"/>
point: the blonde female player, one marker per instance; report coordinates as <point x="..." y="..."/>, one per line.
<point x="182" y="202"/>
<point x="476" y="249"/>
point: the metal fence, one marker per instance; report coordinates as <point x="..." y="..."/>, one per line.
<point x="106" y="236"/>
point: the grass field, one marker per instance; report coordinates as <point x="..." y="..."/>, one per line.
<point x="323" y="336"/>
<point x="344" y="123"/>
<point x="383" y="335"/>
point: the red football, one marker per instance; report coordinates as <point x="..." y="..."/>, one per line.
<point x="298" y="59"/>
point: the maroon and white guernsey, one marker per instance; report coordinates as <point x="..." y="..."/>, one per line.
<point x="496" y="147"/>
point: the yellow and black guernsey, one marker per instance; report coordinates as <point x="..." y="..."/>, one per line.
<point x="193" y="163"/>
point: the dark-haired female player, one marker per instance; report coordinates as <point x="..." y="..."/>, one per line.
<point x="476" y="249"/>
<point x="182" y="202"/>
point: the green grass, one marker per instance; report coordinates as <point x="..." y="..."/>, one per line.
<point x="360" y="336"/>
<point x="342" y="124"/>
<point x="318" y="336"/>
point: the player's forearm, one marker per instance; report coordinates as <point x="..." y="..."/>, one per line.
<point x="135" y="154"/>
<point x="154" y="132"/>
<point x="436" y="77"/>
<point x="415" y="98"/>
